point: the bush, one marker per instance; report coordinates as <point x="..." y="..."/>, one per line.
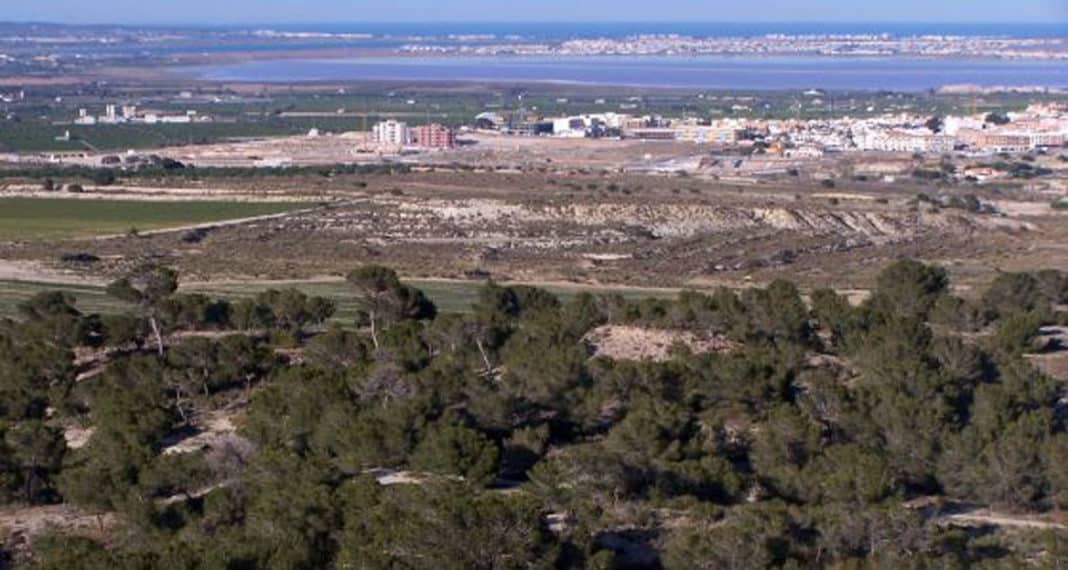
<point x="195" y="235"/>
<point x="104" y="177"/>
<point x="81" y="257"/>
<point x="1015" y="335"/>
<point x="456" y="450"/>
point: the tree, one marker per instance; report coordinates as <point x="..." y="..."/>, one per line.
<point x="456" y="450"/>
<point x="195" y="312"/>
<point x="852" y="475"/>
<point x="445" y="527"/>
<point x="288" y="306"/>
<point x="835" y="315"/>
<point x="384" y="299"/>
<point x="247" y="314"/>
<point x="1015" y="293"/>
<point x="755" y="537"/>
<point x="1053" y="285"/>
<point x="908" y="288"/>
<point x="778" y="314"/>
<point x="292" y="512"/>
<point x="958" y="314"/>
<point x="1008" y="471"/>
<point x="148" y="287"/>
<point x="997" y="119"/>
<point x="1055" y="457"/>
<point x="241" y="360"/>
<point x="1015" y="334"/>
<point x="132" y="402"/>
<point x="36" y="372"/>
<point x="52" y="313"/>
<point x="337" y="350"/>
<point x="37" y="451"/>
<point x="122" y="330"/>
<point x="191" y="371"/>
<point x="784" y="446"/>
<point x="104" y="177"/>
<point x="57" y="551"/>
<point x="320" y="309"/>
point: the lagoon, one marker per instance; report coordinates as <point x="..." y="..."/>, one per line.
<point x="703" y="72"/>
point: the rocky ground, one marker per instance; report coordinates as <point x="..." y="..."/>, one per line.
<point x="586" y="228"/>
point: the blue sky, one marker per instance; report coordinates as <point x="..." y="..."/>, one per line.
<point x="326" y="11"/>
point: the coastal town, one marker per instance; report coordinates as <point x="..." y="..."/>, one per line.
<point x="828" y="45"/>
<point x="1039" y="126"/>
<point x="44" y="50"/>
<point x="734" y="146"/>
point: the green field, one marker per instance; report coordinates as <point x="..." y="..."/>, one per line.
<point x="90" y="299"/>
<point x="39" y="136"/>
<point x="51" y="218"/>
<point x="449" y="296"/>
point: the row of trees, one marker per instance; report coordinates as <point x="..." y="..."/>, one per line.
<point x="801" y="448"/>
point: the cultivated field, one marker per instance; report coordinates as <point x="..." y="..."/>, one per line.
<point x="45" y="218"/>
<point x="90" y="298"/>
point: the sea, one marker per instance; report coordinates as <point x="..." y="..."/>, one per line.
<point x="700" y="72"/>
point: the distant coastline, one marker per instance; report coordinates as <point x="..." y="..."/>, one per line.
<point x="876" y="56"/>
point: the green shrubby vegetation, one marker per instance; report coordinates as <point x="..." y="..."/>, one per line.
<point x="805" y="446"/>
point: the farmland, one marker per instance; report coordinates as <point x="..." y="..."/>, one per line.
<point x="55" y="218"/>
<point x="90" y="298"/>
<point x="38" y="136"/>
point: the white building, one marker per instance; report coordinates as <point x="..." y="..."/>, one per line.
<point x="903" y="141"/>
<point x="570" y="127"/>
<point x="393" y="133"/>
<point x="804" y="152"/>
<point x="578" y="126"/>
<point x="952" y="125"/>
<point x="84" y="118"/>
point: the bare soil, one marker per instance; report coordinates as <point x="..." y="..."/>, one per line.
<point x="635" y="343"/>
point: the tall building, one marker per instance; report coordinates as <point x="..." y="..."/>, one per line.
<point x="393" y="133"/>
<point x="433" y="136"/>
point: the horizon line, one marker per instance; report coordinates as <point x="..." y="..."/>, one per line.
<point x="892" y="22"/>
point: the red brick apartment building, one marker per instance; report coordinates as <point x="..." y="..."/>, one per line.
<point x="433" y="136"/>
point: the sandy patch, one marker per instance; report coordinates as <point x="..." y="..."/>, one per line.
<point x="216" y="428"/>
<point x="620" y="342"/>
<point x="27" y="522"/>
<point x="38" y="272"/>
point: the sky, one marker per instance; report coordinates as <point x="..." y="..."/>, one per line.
<point x="333" y="11"/>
